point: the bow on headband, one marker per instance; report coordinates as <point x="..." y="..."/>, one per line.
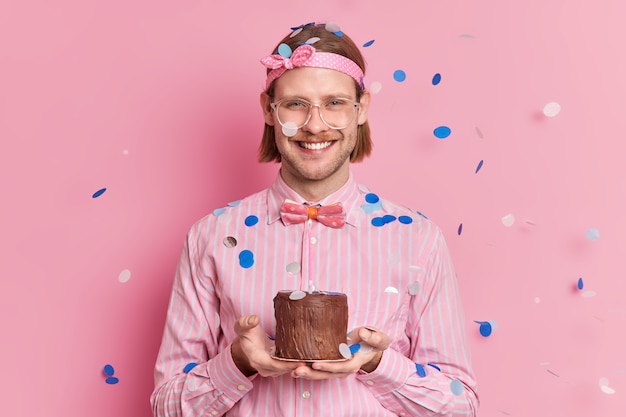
<point x="297" y="59"/>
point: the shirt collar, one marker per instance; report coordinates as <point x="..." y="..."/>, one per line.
<point x="348" y="195"/>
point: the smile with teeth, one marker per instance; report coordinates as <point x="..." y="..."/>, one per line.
<point x="316" y="146"/>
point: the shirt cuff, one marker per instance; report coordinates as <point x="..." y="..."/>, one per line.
<point x="227" y="378"/>
<point x="391" y="373"/>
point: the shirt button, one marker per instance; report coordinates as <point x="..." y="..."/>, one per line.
<point x="241" y="387"/>
<point x="306" y="394"/>
<point x="213" y="413"/>
<point x="313" y="240"/>
<point x="369" y="382"/>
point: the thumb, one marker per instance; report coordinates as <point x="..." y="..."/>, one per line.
<point x="245" y="323"/>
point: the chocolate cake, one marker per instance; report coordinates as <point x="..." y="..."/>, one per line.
<point x="310" y="326"/>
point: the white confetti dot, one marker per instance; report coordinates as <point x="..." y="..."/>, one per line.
<point x="588" y="294"/>
<point x="312" y="40"/>
<point x="294" y="268"/>
<point x="375" y="87"/>
<point x="508" y="220"/>
<point x="297" y="295"/>
<point x="537" y="300"/>
<point x="290" y="129"/>
<point x="552" y="109"/>
<point x="333" y="27"/>
<point x="604" y="386"/>
<point x="393" y="290"/>
<point x="344" y="349"/>
<point x="295" y="32"/>
<point x="124" y="276"/>
<point x="592" y="234"/>
<point x="125" y="152"/>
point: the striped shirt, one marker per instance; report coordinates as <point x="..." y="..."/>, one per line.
<point x="392" y="263"/>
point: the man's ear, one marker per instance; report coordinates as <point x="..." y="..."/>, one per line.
<point x="364" y="107"/>
<point x="267" y="109"/>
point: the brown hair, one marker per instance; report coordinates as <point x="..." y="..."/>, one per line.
<point x="329" y="42"/>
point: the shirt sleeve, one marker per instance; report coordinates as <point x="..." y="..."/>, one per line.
<point x="445" y="385"/>
<point x="192" y="336"/>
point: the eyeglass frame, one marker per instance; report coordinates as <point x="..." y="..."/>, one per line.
<point x="274" y="105"/>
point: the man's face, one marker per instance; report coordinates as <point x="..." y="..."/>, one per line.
<point x="316" y="152"/>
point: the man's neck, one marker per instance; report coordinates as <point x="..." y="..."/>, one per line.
<point x="316" y="190"/>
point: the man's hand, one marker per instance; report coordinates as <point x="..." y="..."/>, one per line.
<point x="251" y="350"/>
<point x="365" y="359"/>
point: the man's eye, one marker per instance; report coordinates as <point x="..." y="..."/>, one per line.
<point x="294" y="105"/>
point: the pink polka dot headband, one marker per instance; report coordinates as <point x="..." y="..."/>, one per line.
<point x="306" y="56"/>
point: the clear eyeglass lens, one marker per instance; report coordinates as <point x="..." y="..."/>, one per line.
<point x="336" y="113"/>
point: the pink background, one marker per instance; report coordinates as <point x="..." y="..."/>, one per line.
<point x="158" y="102"/>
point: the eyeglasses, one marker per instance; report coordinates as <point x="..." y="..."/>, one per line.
<point x="336" y="113"/>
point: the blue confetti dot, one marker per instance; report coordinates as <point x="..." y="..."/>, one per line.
<point x="436" y="79"/>
<point x="485" y="328"/>
<point x="480" y="165"/>
<point x="368" y="43"/>
<point x="108" y="370"/>
<point x="593" y="234"/>
<point x="388" y="218"/>
<point x="369" y="208"/>
<point x="98" y="193"/>
<point x="580" y="283"/>
<point x="378" y="221"/>
<point x="251" y="220"/>
<point x="422" y="214"/>
<point x="442" y="132"/>
<point x="460" y="229"/>
<point x="111" y="380"/>
<point x="219" y="211"/>
<point x="405" y="219"/>
<point x="284" y="50"/>
<point x="456" y="387"/>
<point x="399" y="76"/>
<point x="234" y="203"/>
<point x="338" y="33"/>
<point x="355" y="348"/>
<point x="371" y="198"/>
<point x="420" y="370"/>
<point x="435" y="366"/>
<point x="246" y="258"/>
<point x="189" y="367"/>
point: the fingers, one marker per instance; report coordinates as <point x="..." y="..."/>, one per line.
<point x="376" y="339"/>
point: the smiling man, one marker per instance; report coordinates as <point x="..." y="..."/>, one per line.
<point x="216" y="356"/>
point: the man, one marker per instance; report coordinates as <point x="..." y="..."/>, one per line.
<point x="393" y="264"/>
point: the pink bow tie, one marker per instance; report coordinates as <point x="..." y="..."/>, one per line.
<point x="331" y="216"/>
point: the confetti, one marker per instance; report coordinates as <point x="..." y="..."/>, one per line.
<point x="98" y="193"/>
<point x="219" y="211"/>
<point x="551" y="109"/>
<point x="508" y="220"/>
<point x="399" y="75"/>
<point x="312" y="40"/>
<point x="246" y="258"/>
<point x="371" y="198"/>
<point x="442" y="132"/>
<point x="251" y="220"/>
<point x="435" y="366"/>
<point x="460" y="229"/>
<point x="284" y="50"/>
<point x="290" y="129"/>
<point x="344" y="349"/>
<point x="479" y="133"/>
<point x="485" y="328"/>
<point x="355" y="348"/>
<point x="375" y="87"/>
<point x="405" y="219"/>
<point x="368" y="43"/>
<point x="234" y="203"/>
<point x="294" y="268"/>
<point x="436" y="79"/>
<point x="189" y="367"/>
<point x="230" y="242"/>
<point x="392" y="290"/>
<point x="108" y="370"/>
<point x="480" y="165"/>
<point x="592" y="234"/>
<point x="332" y="27"/>
<point x="456" y="387"/>
<point x="420" y="370"/>
<point x="297" y="295"/>
<point x="112" y="380"/>
<point x="580" y="283"/>
<point x="378" y="221"/>
<point x="124" y="276"/>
